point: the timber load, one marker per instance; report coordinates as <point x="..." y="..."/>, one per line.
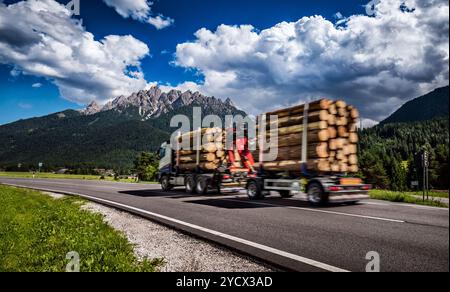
<point x="329" y="129"/>
<point x="210" y="154"/>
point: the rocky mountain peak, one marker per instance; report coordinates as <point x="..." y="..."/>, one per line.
<point x="153" y="102"/>
<point x="91" y="109"/>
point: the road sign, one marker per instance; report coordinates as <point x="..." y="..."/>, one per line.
<point x="426" y="159"/>
<point x="41" y="164"/>
<point x="415" y="183"/>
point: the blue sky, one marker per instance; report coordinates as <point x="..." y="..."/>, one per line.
<point x="166" y="65"/>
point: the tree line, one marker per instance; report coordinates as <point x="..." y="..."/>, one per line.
<point x="390" y="154"/>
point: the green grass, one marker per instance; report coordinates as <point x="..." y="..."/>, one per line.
<point x="64" y="176"/>
<point x="37" y="232"/>
<point x="406" y="197"/>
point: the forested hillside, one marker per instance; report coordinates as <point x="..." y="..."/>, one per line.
<point x="387" y="157"/>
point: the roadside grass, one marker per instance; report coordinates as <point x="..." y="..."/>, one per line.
<point x="407" y="197"/>
<point x="65" y="176"/>
<point x="37" y="232"/>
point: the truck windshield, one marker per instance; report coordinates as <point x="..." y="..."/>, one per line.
<point x="162" y="152"/>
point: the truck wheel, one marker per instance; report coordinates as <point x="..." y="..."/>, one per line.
<point x="286" y="194"/>
<point x="165" y="183"/>
<point x="202" y="185"/>
<point x="190" y="185"/>
<point x="316" y="195"/>
<point x="254" y="191"/>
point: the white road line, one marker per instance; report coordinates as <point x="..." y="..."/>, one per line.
<point x="266" y="248"/>
<point x="322" y="211"/>
<point x="408" y="206"/>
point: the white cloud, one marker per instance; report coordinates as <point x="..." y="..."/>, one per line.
<point x="37" y="85"/>
<point x="376" y="63"/>
<point x="47" y="42"/>
<point x="140" y="10"/>
<point x="160" y="21"/>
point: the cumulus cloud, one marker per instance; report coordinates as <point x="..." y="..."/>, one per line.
<point x="140" y="10"/>
<point x="374" y="62"/>
<point x="47" y="42"/>
<point x="160" y="21"/>
<point x="36" y="85"/>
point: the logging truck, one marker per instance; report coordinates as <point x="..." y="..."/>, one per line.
<point x="316" y="153"/>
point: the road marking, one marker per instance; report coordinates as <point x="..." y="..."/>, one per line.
<point x="322" y="211"/>
<point x="407" y="205"/>
<point x="266" y="248"/>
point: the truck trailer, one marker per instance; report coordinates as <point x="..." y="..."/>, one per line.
<point x="317" y="154"/>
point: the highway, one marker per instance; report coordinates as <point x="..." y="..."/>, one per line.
<point x="285" y="232"/>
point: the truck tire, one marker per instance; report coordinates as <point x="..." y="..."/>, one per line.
<point x="254" y="191"/>
<point x="286" y="194"/>
<point x="165" y="183"/>
<point x="316" y="194"/>
<point x="202" y="185"/>
<point x="190" y="185"/>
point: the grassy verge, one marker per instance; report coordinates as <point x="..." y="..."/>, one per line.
<point x="404" y="197"/>
<point x="64" y="176"/>
<point x="37" y="232"/>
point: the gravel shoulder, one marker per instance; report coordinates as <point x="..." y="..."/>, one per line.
<point x="180" y="252"/>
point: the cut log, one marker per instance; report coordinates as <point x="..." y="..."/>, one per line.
<point x="332" y="133"/>
<point x="335" y="167"/>
<point x="353" y="148"/>
<point x="333" y="144"/>
<point x="343" y="167"/>
<point x="354" y="113"/>
<point x="342" y="112"/>
<point x="341" y="104"/>
<point x="341" y="121"/>
<point x="205" y="166"/>
<point x="295" y="165"/>
<point x="299" y="128"/>
<point x="212" y="147"/>
<point x="319" y="150"/>
<point x="287" y="121"/>
<point x="297" y="139"/>
<point x="208" y="157"/>
<point x="332" y="109"/>
<point x="342" y="132"/>
<point x="353" y="138"/>
<point x="352" y="127"/>
<point x="353" y="159"/>
<point x="322" y="104"/>
<point x="331" y="120"/>
<point x="353" y="168"/>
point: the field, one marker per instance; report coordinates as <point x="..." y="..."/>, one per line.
<point x="37" y="232"/>
<point x="63" y="176"/>
<point x="410" y="197"/>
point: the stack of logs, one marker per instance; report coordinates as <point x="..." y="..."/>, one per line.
<point x="331" y="138"/>
<point x="211" y="155"/>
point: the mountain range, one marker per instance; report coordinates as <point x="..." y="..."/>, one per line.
<point x="108" y="136"/>
<point x="111" y="135"/>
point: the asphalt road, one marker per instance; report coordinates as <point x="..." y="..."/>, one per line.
<point x="286" y="232"/>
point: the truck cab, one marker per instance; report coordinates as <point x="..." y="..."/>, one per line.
<point x="166" y="158"/>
